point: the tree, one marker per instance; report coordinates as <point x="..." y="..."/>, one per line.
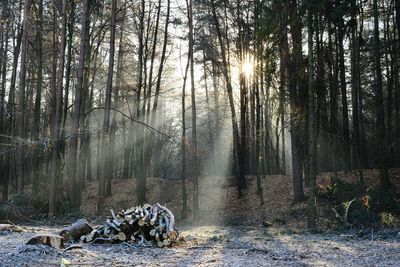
<point x="106" y="155"/>
<point x="294" y="87"/>
<point x="311" y="134"/>
<point x="194" y="114"/>
<point x="379" y="104"/>
<point x="56" y="132"/>
<point x="73" y="145"/>
<point x="21" y="118"/>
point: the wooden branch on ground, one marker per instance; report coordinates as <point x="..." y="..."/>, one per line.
<point x="76" y="230"/>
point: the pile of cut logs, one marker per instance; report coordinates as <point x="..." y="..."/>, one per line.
<point x="141" y="224"/>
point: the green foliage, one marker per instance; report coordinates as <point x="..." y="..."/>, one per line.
<point x="371" y="206"/>
<point x="389" y="219"/>
<point x="340" y="191"/>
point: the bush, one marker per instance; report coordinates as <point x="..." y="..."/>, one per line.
<point x="371" y="205"/>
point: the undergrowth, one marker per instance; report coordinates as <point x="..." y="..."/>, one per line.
<point x="356" y="205"/>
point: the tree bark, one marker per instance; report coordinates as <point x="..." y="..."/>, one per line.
<point x="194" y="115"/>
<point x="312" y="151"/>
<point x="21" y="114"/>
<point x="56" y="132"/>
<point x="294" y="80"/>
<point x="379" y="104"/>
<point x="106" y="156"/>
<point x="73" y="148"/>
<point x="345" y="114"/>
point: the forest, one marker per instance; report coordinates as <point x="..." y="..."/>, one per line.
<point x="250" y="119"/>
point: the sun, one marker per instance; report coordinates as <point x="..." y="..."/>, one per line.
<point x="247" y="68"/>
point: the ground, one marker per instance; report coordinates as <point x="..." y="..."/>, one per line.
<point x="213" y="246"/>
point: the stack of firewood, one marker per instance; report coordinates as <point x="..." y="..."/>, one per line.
<point x="141" y="224"/>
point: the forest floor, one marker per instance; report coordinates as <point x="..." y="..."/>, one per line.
<point x="212" y="246"/>
<point x="231" y="231"/>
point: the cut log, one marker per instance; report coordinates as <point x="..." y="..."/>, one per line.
<point x="128" y="218"/>
<point x="146" y="215"/>
<point x="54" y="241"/>
<point x="121" y="236"/>
<point x="113" y="215"/>
<point x="91" y="236"/>
<point x="152" y="232"/>
<point x="76" y="230"/>
<point x="4" y="227"/>
<point x="170" y="227"/>
<point x="154" y="212"/>
<point x="141" y="222"/>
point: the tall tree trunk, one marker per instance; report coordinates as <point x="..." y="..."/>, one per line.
<point x="312" y="151"/>
<point x="284" y="60"/>
<point x="379" y="105"/>
<point x="38" y="98"/>
<point x="184" y="142"/>
<point x="345" y="114"/>
<point x="68" y="68"/>
<point x="106" y="157"/>
<point x="162" y="61"/>
<point x="73" y="147"/>
<point x="56" y="133"/>
<point x="139" y="162"/>
<point x="194" y="115"/>
<point x="294" y="87"/>
<point x="4" y="168"/>
<point x="21" y="115"/>
<point x="117" y="92"/>
<point x="355" y="97"/>
<point x="396" y="70"/>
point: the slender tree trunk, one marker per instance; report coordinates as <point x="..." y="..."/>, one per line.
<point x="117" y="92"/>
<point x="184" y="142"/>
<point x="312" y="151"/>
<point x="162" y="62"/>
<point x="345" y="114"/>
<point x="68" y="68"/>
<point x="153" y="56"/>
<point x="379" y="105"/>
<point x="396" y="71"/>
<point x="4" y="166"/>
<point x="194" y="115"/>
<point x="139" y="172"/>
<point x="106" y="122"/>
<point x="73" y="148"/>
<point x="389" y="85"/>
<point x="56" y="132"/>
<point x="38" y="98"/>
<point x="21" y="115"/>
<point x="354" y="98"/>
<point x="294" y="77"/>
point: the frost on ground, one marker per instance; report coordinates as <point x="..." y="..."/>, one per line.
<point x="212" y="246"/>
